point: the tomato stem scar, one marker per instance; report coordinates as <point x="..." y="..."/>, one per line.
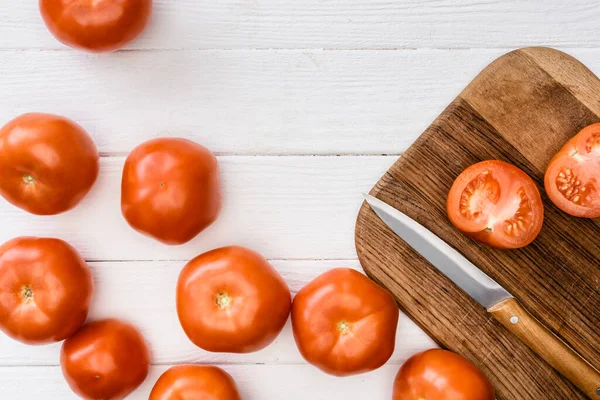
<point x="28" y="179"/>
<point x="27" y="293"/>
<point x="223" y="301"/>
<point x="343" y="327"/>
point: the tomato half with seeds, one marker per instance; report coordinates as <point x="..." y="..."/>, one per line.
<point x="441" y="375"/>
<point x="497" y="204"/>
<point x="572" y="179"/>
<point x="232" y="300"/>
<point x="195" y="382"/>
<point x="45" y="290"/>
<point x="344" y="323"/>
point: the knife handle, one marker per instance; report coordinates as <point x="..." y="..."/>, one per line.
<point x="548" y="346"/>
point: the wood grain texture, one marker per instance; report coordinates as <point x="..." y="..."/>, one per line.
<point x="518" y="111"/>
<point x="182" y="78"/>
<point x="548" y="346"/>
<point x="353" y="24"/>
<point x="143" y="293"/>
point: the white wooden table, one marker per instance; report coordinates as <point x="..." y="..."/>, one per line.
<point x="306" y="104"/>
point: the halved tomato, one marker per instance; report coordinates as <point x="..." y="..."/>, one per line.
<point x="573" y="175"/>
<point x="497" y="204"/>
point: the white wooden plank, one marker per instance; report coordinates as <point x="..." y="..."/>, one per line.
<point x="283" y="207"/>
<point x="144" y="294"/>
<point x="255" y="382"/>
<point x="339" y="24"/>
<point x="243" y="102"/>
<point x="247" y="102"/>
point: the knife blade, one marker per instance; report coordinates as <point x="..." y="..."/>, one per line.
<point x="450" y="262"/>
<point x="493" y="297"/>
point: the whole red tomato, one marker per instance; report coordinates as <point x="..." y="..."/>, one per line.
<point x="441" y="375"/>
<point x="497" y="204"/>
<point x="170" y="189"/>
<point x="45" y="290"/>
<point x="344" y="323"/>
<point x="572" y="179"/>
<point x="96" y="25"/>
<point x="232" y="300"/>
<point x="47" y="163"/>
<point x="105" y="359"/>
<point x="195" y="382"/>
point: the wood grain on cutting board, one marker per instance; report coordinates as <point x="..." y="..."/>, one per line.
<point x="521" y="109"/>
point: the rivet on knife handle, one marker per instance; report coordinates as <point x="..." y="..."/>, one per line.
<point x="548" y="346"/>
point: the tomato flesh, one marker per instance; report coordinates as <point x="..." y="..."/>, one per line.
<point x="479" y="197"/>
<point x="572" y="176"/>
<point x="497" y="204"/>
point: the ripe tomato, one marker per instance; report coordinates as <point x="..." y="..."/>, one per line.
<point x="170" y="189"/>
<point x="232" y="300"/>
<point x="47" y="163"/>
<point x="105" y="359"/>
<point x="45" y="290"/>
<point x="497" y="204"/>
<point x="195" y="382"/>
<point x="344" y="323"/>
<point x="572" y="179"/>
<point x="98" y="25"/>
<point x="441" y="375"/>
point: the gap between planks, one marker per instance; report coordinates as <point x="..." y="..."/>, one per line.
<point x="234" y="154"/>
<point x="271" y="260"/>
<point x="281" y="49"/>
<point x="217" y="363"/>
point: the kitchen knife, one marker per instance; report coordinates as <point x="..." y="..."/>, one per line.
<point x="496" y="300"/>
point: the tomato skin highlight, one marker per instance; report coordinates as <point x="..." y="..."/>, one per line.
<point x="232" y="300"/>
<point x="96" y="26"/>
<point x="48" y="163"/>
<point x="195" y="382"/>
<point x="45" y="290"/>
<point x="344" y="323"/>
<point x="441" y="375"/>
<point x="496" y="204"/>
<point x="106" y="359"/>
<point x="572" y="179"/>
<point x="170" y="189"/>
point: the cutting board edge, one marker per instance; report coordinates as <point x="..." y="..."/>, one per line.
<point x="365" y="213"/>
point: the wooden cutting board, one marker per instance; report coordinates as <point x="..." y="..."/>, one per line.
<point x="521" y="109"/>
